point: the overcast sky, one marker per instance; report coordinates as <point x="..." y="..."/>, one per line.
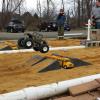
<point x="31" y="4"/>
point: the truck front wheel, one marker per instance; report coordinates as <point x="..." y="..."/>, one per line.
<point x="28" y="43"/>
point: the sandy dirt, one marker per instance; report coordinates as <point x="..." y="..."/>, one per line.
<point x="65" y="42"/>
<point x="51" y="42"/>
<point x="9" y="43"/>
<point x="17" y="71"/>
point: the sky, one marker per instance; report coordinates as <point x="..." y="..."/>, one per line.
<point x="31" y="4"/>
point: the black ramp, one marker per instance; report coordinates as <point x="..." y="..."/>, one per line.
<point x="6" y="48"/>
<point x="78" y="62"/>
<point x="53" y="66"/>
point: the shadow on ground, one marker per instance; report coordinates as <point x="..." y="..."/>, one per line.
<point x="55" y="66"/>
<point x="6" y="48"/>
<point x="79" y="63"/>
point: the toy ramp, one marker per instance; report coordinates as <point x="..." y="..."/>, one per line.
<point x="45" y="65"/>
<point x="42" y="64"/>
<point x="2" y="48"/>
<point x="78" y="62"/>
<point x="53" y="65"/>
<point x="8" y="46"/>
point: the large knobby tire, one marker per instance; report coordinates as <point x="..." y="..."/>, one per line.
<point x="21" y="42"/>
<point x="44" y="48"/>
<point x="28" y="43"/>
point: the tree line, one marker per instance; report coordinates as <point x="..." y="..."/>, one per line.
<point x="77" y="14"/>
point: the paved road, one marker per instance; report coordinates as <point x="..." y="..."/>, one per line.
<point x="15" y="36"/>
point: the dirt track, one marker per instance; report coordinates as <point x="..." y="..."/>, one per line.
<point x="66" y="42"/>
<point x="17" y="72"/>
<point x="53" y="43"/>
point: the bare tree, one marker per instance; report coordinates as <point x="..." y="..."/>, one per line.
<point x="49" y="9"/>
<point x="39" y="8"/>
<point x="9" y="7"/>
<point x="63" y="6"/>
<point x="82" y="10"/>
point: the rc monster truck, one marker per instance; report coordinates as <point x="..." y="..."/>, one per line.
<point x="34" y="40"/>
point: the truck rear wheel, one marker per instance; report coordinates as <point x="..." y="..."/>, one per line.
<point x="21" y="42"/>
<point x="44" y="48"/>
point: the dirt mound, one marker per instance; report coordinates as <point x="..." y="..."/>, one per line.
<point x="17" y="72"/>
<point x="65" y="42"/>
